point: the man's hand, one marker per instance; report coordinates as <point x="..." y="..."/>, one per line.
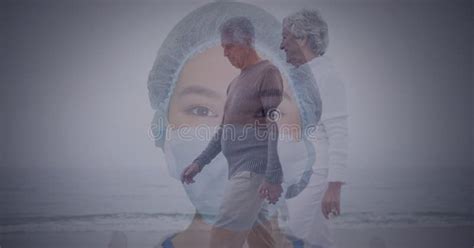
<point x="270" y="191"/>
<point x="331" y="203"/>
<point x="189" y="172"/>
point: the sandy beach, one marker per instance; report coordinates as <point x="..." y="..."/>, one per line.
<point x="416" y="237"/>
<point x="407" y="237"/>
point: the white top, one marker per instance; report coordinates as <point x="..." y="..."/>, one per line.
<point x="332" y="132"/>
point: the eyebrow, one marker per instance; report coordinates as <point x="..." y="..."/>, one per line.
<point x="199" y="90"/>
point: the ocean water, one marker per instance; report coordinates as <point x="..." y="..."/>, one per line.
<point x="76" y="199"/>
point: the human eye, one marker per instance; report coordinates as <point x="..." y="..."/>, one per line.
<point x="200" y="111"/>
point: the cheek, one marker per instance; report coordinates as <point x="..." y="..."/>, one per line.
<point x="289" y="124"/>
<point x="290" y="118"/>
<point x="173" y="113"/>
<point x="290" y="115"/>
<point x="238" y="55"/>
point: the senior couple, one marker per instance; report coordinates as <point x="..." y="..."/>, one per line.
<point x="248" y="137"/>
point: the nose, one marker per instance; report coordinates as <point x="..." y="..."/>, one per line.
<point x="226" y="52"/>
<point x="282" y="45"/>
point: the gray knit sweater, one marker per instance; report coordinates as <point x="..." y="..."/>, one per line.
<point x="248" y="134"/>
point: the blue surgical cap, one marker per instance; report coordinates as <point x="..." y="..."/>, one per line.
<point x="198" y="31"/>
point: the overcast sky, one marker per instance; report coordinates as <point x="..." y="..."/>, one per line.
<point x="74" y="74"/>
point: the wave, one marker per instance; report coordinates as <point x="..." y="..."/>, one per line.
<point x="97" y="222"/>
<point x="167" y="222"/>
<point x="413" y="219"/>
<point x="88" y="217"/>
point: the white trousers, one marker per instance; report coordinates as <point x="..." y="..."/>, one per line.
<point x="305" y="219"/>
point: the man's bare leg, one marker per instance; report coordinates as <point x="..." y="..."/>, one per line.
<point x="261" y="236"/>
<point x="224" y="238"/>
<point x="239" y="210"/>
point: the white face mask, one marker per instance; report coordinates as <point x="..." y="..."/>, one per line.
<point x="206" y="193"/>
<point x="208" y="189"/>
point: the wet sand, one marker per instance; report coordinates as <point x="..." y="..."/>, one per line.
<point x="407" y="237"/>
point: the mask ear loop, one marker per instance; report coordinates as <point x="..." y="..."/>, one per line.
<point x="296" y="188"/>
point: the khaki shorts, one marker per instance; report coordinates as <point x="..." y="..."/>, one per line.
<point x="242" y="206"/>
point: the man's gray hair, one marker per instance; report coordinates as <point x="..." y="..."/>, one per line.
<point x="238" y="30"/>
<point x="310" y="24"/>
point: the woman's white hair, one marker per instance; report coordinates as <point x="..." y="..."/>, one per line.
<point x="309" y="24"/>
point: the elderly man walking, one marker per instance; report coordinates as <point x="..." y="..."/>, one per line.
<point x="304" y="40"/>
<point x="247" y="136"/>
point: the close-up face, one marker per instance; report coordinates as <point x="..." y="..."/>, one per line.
<point x="292" y="47"/>
<point x="198" y="101"/>
<point x="201" y="91"/>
